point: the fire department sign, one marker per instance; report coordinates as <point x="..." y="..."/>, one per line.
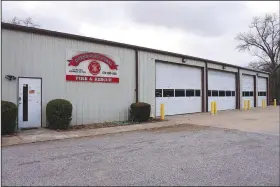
<point x="92" y="67"/>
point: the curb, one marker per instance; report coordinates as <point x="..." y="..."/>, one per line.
<point x="96" y="132"/>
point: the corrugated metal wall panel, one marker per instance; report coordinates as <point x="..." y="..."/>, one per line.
<point x="45" y="57"/>
<point x="220" y="67"/>
<point x="147" y="74"/>
<point x="263" y="75"/>
<point x="243" y="71"/>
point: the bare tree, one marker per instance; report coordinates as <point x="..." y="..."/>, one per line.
<point x="15" y="21"/>
<point x="263" y="41"/>
<point x="25" y="22"/>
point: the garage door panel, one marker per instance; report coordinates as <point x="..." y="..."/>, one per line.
<point x="247" y="90"/>
<point x="247" y="83"/>
<point x="177" y="76"/>
<point x="183" y="105"/>
<point x="223" y="103"/>
<point x="183" y="79"/>
<point x="222" y="83"/>
<point x="221" y="80"/>
<point x="251" y="99"/>
<point x="262" y="90"/>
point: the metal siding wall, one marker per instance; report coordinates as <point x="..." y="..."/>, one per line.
<point x="243" y="71"/>
<point x="263" y="75"/>
<point x="147" y="74"/>
<point x="220" y="67"/>
<point x="45" y="56"/>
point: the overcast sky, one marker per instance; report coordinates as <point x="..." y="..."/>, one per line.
<point x="202" y="29"/>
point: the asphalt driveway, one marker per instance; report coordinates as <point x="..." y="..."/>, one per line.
<point x="186" y="155"/>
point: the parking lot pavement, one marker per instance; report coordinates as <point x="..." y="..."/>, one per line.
<point x="257" y="120"/>
<point x="185" y="155"/>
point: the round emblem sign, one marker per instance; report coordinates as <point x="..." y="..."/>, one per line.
<point x="94" y="68"/>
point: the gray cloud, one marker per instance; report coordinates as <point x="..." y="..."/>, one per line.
<point x="206" y="19"/>
<point x="200" y="18"/>
<point x="68" y="16"/>
<point x="208" y="27"/>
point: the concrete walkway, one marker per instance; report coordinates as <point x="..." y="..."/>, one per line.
<point x="43" y="134"/>
<point x="256" y="120"/>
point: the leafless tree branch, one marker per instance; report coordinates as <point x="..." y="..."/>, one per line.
<point x="264" y="36"/>
<point x="263" y="41"/>
<point x="25" y="22"/>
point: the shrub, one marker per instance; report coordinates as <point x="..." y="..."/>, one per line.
<point x="140" y="111"/>
<point x="59" y="114"/>
<point x="9" y="113"/>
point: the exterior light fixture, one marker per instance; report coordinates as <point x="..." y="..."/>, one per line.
<point x="10" y="77"/>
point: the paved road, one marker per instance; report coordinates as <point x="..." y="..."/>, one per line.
<point x="174" y="156"/>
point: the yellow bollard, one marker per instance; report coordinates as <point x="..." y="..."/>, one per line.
<point x="245" y="105"/>
<point x="262" y="103"/>
<point x="215" y="107"/>
<point x="212" y="107"/>
<point x="274" y="103"/>
<point x="249" y="105"/>
<point x="162" y="111"/>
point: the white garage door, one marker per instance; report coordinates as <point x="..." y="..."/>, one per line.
<point x="221" y="88"/>
<point x="178" y="87"/>
<point x="262" y="90"/>
<point x="247" y="89"/>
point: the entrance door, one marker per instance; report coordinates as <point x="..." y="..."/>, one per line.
<point x="29" y="102"/>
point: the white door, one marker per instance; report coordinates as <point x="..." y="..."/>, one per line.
<point x="247" y="89"/>
<point x="29" y="102"/>
<point x="221" y="88"/>
<point x="178" y="87"/>
<point x="262" y="90"/>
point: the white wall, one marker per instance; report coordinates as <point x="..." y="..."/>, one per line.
<point x="32" y="55"/>
<point x="220" y="67"/>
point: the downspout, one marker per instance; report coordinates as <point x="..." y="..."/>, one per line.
<point x="206" y="82"/>
<point x="136" y="76"/>
<point x="238" y="98"/>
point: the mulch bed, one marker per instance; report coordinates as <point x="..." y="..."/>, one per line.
<point x="109" y="124"/>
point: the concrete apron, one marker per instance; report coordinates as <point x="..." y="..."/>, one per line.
<point x="256" y="120"/>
